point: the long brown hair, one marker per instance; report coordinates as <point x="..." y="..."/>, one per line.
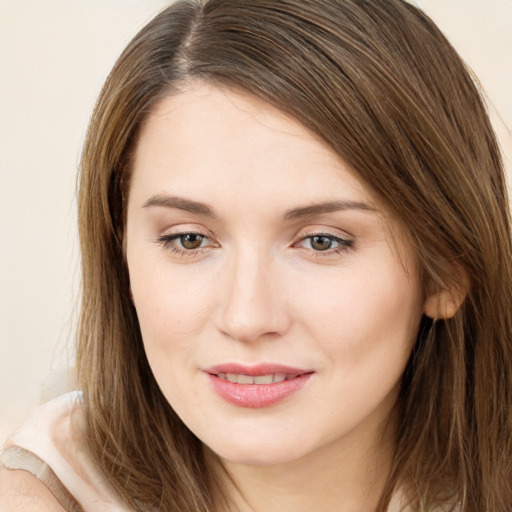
<point x="379" y="83"/>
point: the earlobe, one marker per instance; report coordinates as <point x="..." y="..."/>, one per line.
<point x="445" y="302"/>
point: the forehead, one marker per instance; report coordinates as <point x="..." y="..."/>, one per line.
<point x="215" y="140"/>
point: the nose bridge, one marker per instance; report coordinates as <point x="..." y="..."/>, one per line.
<point x="250" y="304"/>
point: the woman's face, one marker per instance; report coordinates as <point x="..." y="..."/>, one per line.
<point x="278" y="303"/>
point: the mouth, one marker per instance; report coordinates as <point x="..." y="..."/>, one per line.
<point x="240" y="378"/>
<point x="264" y="373"/>
<point x="256" y="386"/>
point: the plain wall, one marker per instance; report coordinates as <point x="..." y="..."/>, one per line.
<point x="54" y="57"/>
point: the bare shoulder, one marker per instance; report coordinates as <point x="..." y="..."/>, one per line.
<point x="22" y="491"/>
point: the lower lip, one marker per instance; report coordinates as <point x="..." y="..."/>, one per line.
<point x="255" y="396"/>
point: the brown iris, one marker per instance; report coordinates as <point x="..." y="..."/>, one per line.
<point x="191" y="240"/>
<point x="321" y="243"/>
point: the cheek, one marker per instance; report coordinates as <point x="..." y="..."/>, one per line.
<point x="365" y="328"/>
<point x="171" y="309"/>
<point x="360" y="311"/>
<point x="171" y="306"/>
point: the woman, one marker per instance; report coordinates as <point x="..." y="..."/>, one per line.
<point x="296" y="274"/>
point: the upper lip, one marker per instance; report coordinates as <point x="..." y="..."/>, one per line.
<point x="256" y="370"/>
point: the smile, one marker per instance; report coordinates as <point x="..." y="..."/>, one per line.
<point x="255" y="387"/>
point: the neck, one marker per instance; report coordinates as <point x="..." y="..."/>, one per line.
<point x="345" y="476"/>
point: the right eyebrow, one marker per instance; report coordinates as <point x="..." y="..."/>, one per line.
<point x="181" y="204"/>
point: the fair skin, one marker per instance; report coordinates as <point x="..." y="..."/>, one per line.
<point x="229" y="266"/>
<point x="20" y="490"/>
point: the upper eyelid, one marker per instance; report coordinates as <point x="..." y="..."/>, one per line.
<point x="326" y="232"/>
<point x="207" y="232"/>
<point x="197" y="231"/>
<point x="329" y="231"/>
<point x="340" y="234"/>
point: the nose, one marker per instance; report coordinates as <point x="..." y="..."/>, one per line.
<point x="252" y="300"/>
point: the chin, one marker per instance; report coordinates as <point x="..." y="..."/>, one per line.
<point x="258" y="452"/>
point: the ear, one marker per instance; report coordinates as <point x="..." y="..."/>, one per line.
<point x="445" y="302"/>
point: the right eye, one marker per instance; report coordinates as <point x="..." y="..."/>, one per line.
<point x="185" y="244"/>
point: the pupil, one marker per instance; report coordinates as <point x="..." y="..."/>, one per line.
<point x="191" y="241"/>
<point x="321" y="243"/>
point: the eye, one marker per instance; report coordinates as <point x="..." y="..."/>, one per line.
<point x="325" y="243"/>
<point x="185" y="244"/>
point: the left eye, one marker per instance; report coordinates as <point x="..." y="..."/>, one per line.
<point x="324" y="242"/>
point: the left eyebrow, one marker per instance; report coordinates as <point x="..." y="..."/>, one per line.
<point x="328" y="207"/>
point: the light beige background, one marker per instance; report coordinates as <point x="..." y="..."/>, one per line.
<point x="54" y="56"/>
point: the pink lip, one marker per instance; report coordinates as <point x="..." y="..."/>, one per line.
<point x="256" y="396"/>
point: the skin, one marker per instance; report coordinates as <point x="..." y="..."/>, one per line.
<point x="22" y="491"/>
<point x="259" y="290"/>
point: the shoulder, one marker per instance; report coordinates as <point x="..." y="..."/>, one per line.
<point x="52" y="434"/>
<point x="51" y="451"/>
<point x="22" y="491"/>
<point x="34" y="458"/>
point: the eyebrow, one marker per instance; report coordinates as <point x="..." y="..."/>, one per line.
<point x="206" y="210"/>
<point x="181" y="204"/>
<point x="327" y="207"/>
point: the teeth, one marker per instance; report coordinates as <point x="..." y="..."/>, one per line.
<point x="245" y="379"/>
<point x="263" y="379"/>
<point x="260" y="379"/>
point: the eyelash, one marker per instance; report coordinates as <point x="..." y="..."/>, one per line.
<point x="166" y="242"/>
<point x="345" y="244"/>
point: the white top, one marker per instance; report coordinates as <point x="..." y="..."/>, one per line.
<point x="51" y="446"/>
